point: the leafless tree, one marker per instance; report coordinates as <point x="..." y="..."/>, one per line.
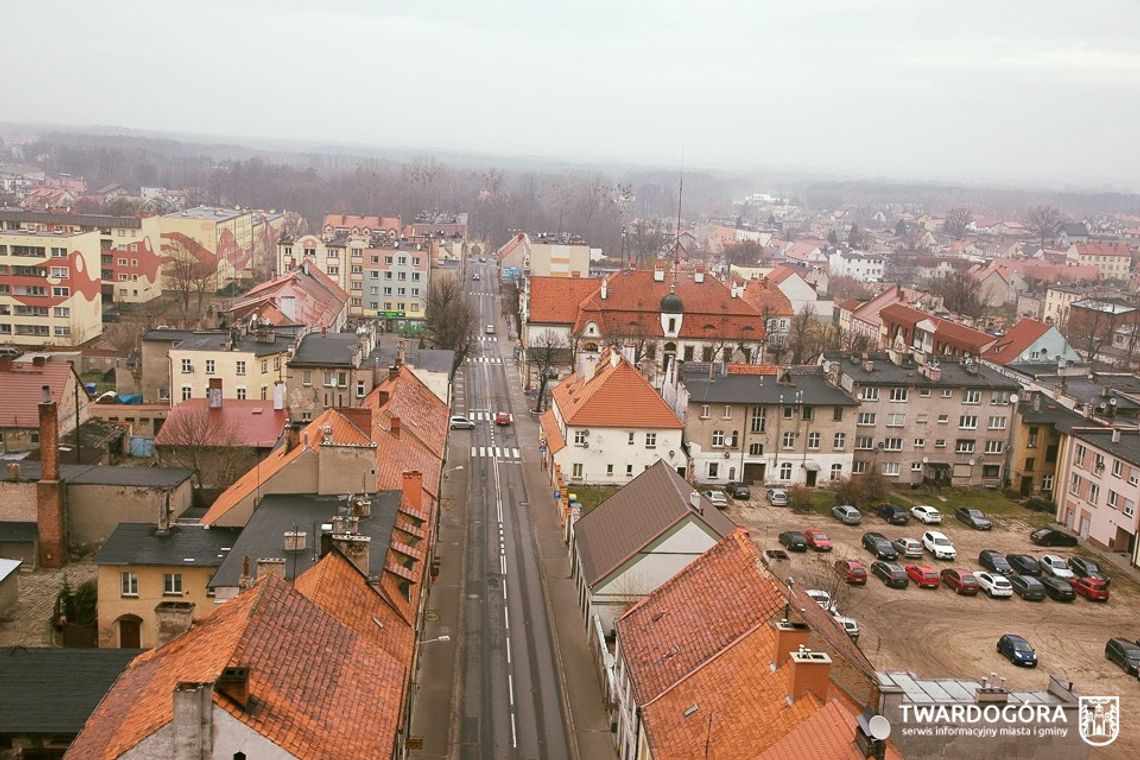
<point x="957" y="220"/>
<point x="959" y="292"/>
<point x="631" y="335"/>
<point x="743" y="254"/>
<point x="546" y="353"/>
<point x="184" y="275"/>
<point x="449" y="321"/>
<point x="203" y="440"/>
<point x="843" y="288"/>
<point x="511" y="305"/>
<point x="124" y="337"/>
<point x="1043" y="221"/>
<point x="804" y="335"/>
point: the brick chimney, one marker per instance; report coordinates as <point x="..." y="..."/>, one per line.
<point x="413" y="490"/>
<point x="271" y="566"/>
<point x="172" y="619"/>
<point x="789" y="638"/>
<point x="393" y="372"/>
<point x="383" y="397"/>
<point x="192" y="721"/>
<point x="50" y="518"/>
<point x="355" y="548"/>
<point x="809" y="671"/>
<point x="292" y="437"/>
<point x="233" y="684"/>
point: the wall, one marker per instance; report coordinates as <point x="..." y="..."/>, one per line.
<point x="253" y="380"/>
<point x="113" y="605"/>
<point x="17" y="501"/>
<point x="613" y="448"/>
<point x="299" y="476"/>
<point x="9" y="591"/>
<point x="229" y="736"/>
<point x="156" y="370"/>
<point x="1089" y="514"/>
<point x="95" y="510"/>
<point x="306" y="401"/>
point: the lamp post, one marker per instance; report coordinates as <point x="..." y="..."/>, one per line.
<point x="452" y="469"/>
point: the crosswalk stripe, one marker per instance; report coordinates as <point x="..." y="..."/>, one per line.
<point x="496" y="454"/>
<point x="482" y="451"/>
<point x="473" y="450"/>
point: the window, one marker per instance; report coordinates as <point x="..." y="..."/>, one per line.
<point x="916" y="466"/>
<point x="631" y="439"/>
<point x="924" y="393"/>
<point x="785" y="471"/>
<point x="61" y="311"/>
<point x="718" y="438"/>
<point x="836" y="472"/>
<point x="727" y="412"/>
<point x="163" y="394"/>
<point x="360" y="389"/>
<point x="808" y="413"/>
<point x="1094" y="494"/>
<point x="837" y="414"/>
<point x="629" y="470"/>
<point x="172" y="583"/>
<point x="59" y="253"/>
<point x="1112" y="499"/>
<point x="858" y="468"/>
<point x="209" y="366"/>
<point x="789" y="412"/>
<point x="1080" y="455"/>
<point x="868" y="394"/>
<point x="241" y="392"/>
<point x="947" y="393"/>
<point x="1032" y="442"/>
<point x="892" y="444"/>
<point x="789" y="440"/>
<point x="990" y="471"/>
<point x="864" y="442"/>
<point x="896" y="420"/>
<point x="922" y="419"/>
<point x="239" y="367"/>
<point x="1098" y="463"/>
<point x="899" y="394"/>
<point x="891" y="469"/>
<point x="264" y="392"/>
<point x="59" y="272"/>
<point x="62" y="292"/>
<point x="997" y="423"/>
<point x="129" y="584"/>
<point x="1030" y="462"/>
<point x="999" y="398"/>
<point x="968" y="422"/>
<point x="1047" y="483"/>
<point x="972" y="397"/>
<point x="756" y="449"/>
<point x="576" y="472"/>
<point x="713" y="469"/>
<point x="704" y="411"/>
<point x="813" y="440"/>
<point x="306" y="377"/>
<point x="919" y="443"/>
<point x="964" y="446"/>
<point x="866" y="419"/>
<point x="758" y="419"/>
<point x="579" y="437"/>
<point x="995" y="447"/>
<point x="650" y="440"/>
<point x="185" y="392"/>
<point x="609" y="470"/>
<point x="264" y="366"/>
<point x="187" y="367"/>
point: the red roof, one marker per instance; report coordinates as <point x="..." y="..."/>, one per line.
<point x="616" y="396"/>
<point x="21" y="390"/>
<point x="766" y="370"/>
<point x="372" y="223"/>
<point x="1103" y="249"/>
<point x="767" y="299"/>
<point x="555" y="300"/>
<point x="239" y="422"/>
<point x="1016" y="342"/>
<point x="552" y="435"/>
<point x="951" y="333"/>
<point x="317" y="300"/>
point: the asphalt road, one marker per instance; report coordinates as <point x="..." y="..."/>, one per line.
<point x="511" y="705"/>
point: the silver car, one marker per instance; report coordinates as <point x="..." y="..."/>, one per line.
<point x="911" y="548"/>
<point x="847" y="514"/>
<point x="777" y="497"/>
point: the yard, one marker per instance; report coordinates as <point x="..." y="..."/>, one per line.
<point x="591" y="496"/>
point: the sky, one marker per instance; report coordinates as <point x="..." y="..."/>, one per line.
<point x="966" y="90"/>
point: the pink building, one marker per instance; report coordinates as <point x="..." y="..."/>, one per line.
<point x="1101" y="472"/>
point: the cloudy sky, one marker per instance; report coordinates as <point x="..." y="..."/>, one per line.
<point x="959" y="90"/>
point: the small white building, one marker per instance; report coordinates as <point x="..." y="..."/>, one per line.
<point x="862" y="267"/>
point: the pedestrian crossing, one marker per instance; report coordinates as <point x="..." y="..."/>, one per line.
<point x="488" y="338"/>
<point x="485" y="359"/>
<point x="496" y="452"/>
<point x="481" y="416"/>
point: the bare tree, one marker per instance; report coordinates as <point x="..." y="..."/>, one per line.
<point x="1043" y="221"/>
<point x="959" y="292"/>
<point x="449" y="321"/>
<point x="957" y="220"/>
<point x="804" y="335"/>
<point x="743" y="254"/>
<point x="124" y="337"/>
<point x="546" y="353"/>
<point x="203" y="440"/>
<point x="843" y="287"/>
<point x="185" y="275"/>
<point x="511" y="304"/>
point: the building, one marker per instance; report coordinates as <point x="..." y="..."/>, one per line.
<point x="231" y="244"/>
<point x="865" y="319"/>
<point x="557" y="255"/>
<point x="862" y="267"/>
<point x="303" y="298"/>
<point x="1042" y="427"/>
<point x="433" y="366"/>
<point x="329" y="370"/>
<point x="335" y="257"/>
<point x="21" y="388"/>
<point x="760" y="424"/>
<point x="50" y="285"/>
<point x="1093" y="326"/>
<point x="1112" y="260"/>
<point x="802" y="295"/>
<point x="1033" y="342"/>
<point x="360" y="227"/>
<point x="394" y="287"/>
<point x="1058" y="299"/>
<point x="905" y="328"/>
<point x="1100" y="482"/>
<point x="243" y="367"/>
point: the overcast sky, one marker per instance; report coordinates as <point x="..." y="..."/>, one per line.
<point x="959" y="90"/>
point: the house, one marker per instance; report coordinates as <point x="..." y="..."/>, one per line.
<point x="1041" y="429"/>
<point x="328" y="370"/>
<point x="1100" y="487"/>
<point x="360" y="227"/>
<point x="609" y="426"/>
<point x="243" y="366"/>
<point x="22" y="386"/>
<point x="861" y="267"/>
<point x="865" y="318"/>
<point x="557" y="255"/>
<point x="637" y="539"/>
<point x="515" y="253"/>
<point x="800" y="293"/>
<point x="775" y="309"/>
<point x="222" y="245"/>
<point x="1112" y="260"/>
<point x="1070" y="233"/>
<point x="905" y="328"/>
<point x="1093" y="326"/>
<point x="998" y="283"/>
<point x="1032" y="342"/>
<point x="433" y="366"/>
<point x="304" y="297"/>
<point x="1058" y="300"/>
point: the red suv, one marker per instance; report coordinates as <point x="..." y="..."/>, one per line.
<point x="1093" y="589"/>
<point x="960" y="581"/>
<point x="923" y="575"/>
<point x="852" y="572"/>
<point x="817" y="540"/>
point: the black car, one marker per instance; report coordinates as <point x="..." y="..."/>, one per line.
<point x="877" y="544"/>
<point x="737" y="490"/>
<point x="975" y="518"/>
<point x="1083" y="567"/>
<point x="794" y="540"/>
<point x="894" y="514"/>
<point x="1058" y="589"/>
<point x="1051" y="537"/>
<point x="1124" y="653"/>
<point x="1024" y="564"/>
<point x="1027" y="587"/>
<point x="892" y="575"/>
<point x="1017" y="650"/>
<point x="992" y="559"/>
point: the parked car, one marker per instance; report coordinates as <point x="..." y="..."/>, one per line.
<point x="718" y="499"/>
<point x="738" y="490"/>
<point x="1017" y="650"/>
<point x="992" y="559"/>
<point x="851" y="571"/>
<point x="1024" y="564"/>
<point x="1051" y="537"/>
<point x="891" y="574"/>
<point x="847" y="514"/>
<point x="926" y="514"/>
<point x="849" y="625"/>
<point x="922" y="575"/>
<point x="475" y="276"/>
<point x="1057" y="589"/>
<point x="877" y="544"/>
<point x="911" y="548"/>
<point x="975" y="518"/>
<point x="893" y="514"/>
<point x="823" y="599"/>
<point x="960" y="580"/>
<point x="793" y="540"/>
<point x="817" y="539"/>
<point x="502" y="419"/>
<point x="489" y="329"/>
<point x="1124" y="653"/>
<point x="777" y="497"/>
<point x="1056" y="566"/>
<point x="1083" y="567"/>
<point x="937" y="544"/>
<point x="994" y="584"/>
<point x="1027" y="587"/>
<point x="1090" y="588"/>
<point x="459" y="422"/>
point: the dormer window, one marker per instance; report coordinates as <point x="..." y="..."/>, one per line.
<point x="591" y="329"/>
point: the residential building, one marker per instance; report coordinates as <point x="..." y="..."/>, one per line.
<point x="329" y="370"/>
<point x="335" y="256"/>
<point x="304" y="297"/>
<point x="800" y="293"/>
<point x="1040" y="434"/>
<point x="433" y="366"/>
<point x="1112" y="260"/>
<point x="21" y="388"/>
<point x="360" y="227"/>
<point x="1100" y="486"/>
<point x="904" y="328"/>
<point x="438" y="224"/>
<point x="1093" y="326"/>
<point x="248" y="366"/>
<point x="557" y="255"/>
<point x="1030" y="341"/>
<point x="233" y="244"/>
<point x="998" y="283"/>
<point x="50" y="288"/>
<point x="1058" y="299"/>
<point x="775" y="309"/>
<point x="394" y="281"/>
<point x="862" y="267"/>
<point x="865" y="319"/>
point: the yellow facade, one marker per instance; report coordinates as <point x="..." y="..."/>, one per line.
<point x="233" y="239"/>
<point x="114" y="605"/>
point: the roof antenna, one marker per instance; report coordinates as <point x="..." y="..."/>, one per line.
<point x="677" y="233"/>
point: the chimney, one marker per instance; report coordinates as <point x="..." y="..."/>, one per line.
<point x="288" y="307"/>
<point x="1037" y="402"/>
<point x="163" y="522"/>
<point x="789" y="637"/>
<point x="695" y="502"/>
<point x="12" y="471"/>
<point x="233" y="684"/>
<point x="292" y="437"/>
<point x="362" y="506"/>
<point x="659" y="275"/>
<point x="400" y="353"/>
<point x="50" y="519"/>
<point x="413" y="490"/>
<point x="171" y="620"/>
<point x="295" y="541"/>
<point x="698" y="277"/>
<point x="192" y="720"/>
<point x="39" y="361"/>
<point x="279" y="397"/>
<point x="605" y="289"/>
<point x="809" y="671"/>
<point x="394" y="426"/>
<point x="271" y="566"/>
<point x="214" y="393"/>
<point x="5" y="363"/>
<point x="354" y="547"/>
<point x="1116" y="435"/>
<point x="393" y="372"/>
<point x="384" y="396"/>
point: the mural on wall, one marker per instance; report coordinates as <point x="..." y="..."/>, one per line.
<point x="148" y="261"/>
<point x="80" y="282"/>
<point x="174" y="243"/>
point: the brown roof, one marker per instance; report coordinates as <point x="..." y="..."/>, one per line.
<point x="1018" y="340"/>
<point x="555" y="300"/>
<point x="318" y="300"/>
<point x="616" y="396"/>
<point x="21" y="388"/>
<point x="633" y="519"/>
<point x="961" y="337"/>
<point x="766" y="298"/>
<point x="239" y="422"/>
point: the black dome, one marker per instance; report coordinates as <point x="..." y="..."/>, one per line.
<point x="671" y="304"/>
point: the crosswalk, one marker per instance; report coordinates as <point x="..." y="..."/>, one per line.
<point x="481" y="416"/>
<point x="485" y="359"/>
<point x="504" y="453"/>
<point x="488" y="338"/>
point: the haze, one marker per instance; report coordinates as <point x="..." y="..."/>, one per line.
<point x="965" y="90"/>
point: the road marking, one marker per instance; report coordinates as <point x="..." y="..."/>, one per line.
<point x="505" y="593"/>
<point x="514" y="736"/>
<point x="511" y="688"/>
<point x="515" y="453"/>
<point x="506" y="619"/>
<point x="503" y="563"/>
<point x="497" y="454"/>
<point x="508" y="651"/>
<point x="482" y="451"/>
<point x="474" y="450"/>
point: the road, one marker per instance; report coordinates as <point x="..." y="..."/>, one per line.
<point x="511" y="705"/>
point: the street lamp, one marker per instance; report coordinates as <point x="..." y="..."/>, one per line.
<point x="452" y="469"/>
<point x="443" y="638"/>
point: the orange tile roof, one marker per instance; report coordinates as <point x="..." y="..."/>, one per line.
<point x="961" y="337"/>
<point x="765" y="297"/>
<point x="422" y="441"/>
<point x="1018" y="340"/>
<point x="1103" y="249"/>
<point x="21" y="388"/>
<point x="550" y="432"/>
<point x="616" y="396"/>
<point x="826" y="735"/>
<point x="766" y="370"/>
<point x="373" y="223"/>
<point x="318" y="300"/>
<point x="554" y="300"/>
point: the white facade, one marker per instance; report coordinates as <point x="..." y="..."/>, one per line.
<point x="228" y="736"/>
<point x="797" y="290"/>
<point x="605" y="456"/>
<point x="716" y="466"/>
<point x="858" y="266"/>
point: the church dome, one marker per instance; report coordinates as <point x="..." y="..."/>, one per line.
<point x="671" y="304"/>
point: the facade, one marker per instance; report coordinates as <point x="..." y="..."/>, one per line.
<point x="1112" y="260"/>
<point x="247" y="366"/>
<point x="865" y="318"/>
<point x="1040" y="435"/>
<point x="800" y="292"/>
<point x="862" y="267"/>
<point x="359" y="227"/>
<point x="394" y="287"/>
<point x="328" y="370"/>
<point x="1030" y="341"/>
<point x="1058" y="299"/>
<point x="21" y="388"/>
<point x="233" y="243"/>
<point x="904" y="328"/>
<point x="305" y="298"/>
<point x="1093" y="324"/>
<point x="1100" y="487"/>
<point x="558" y="256"/>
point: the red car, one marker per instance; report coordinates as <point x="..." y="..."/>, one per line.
<point x="852" y="572"/>
<point x="923" y="575"/>
<point x="961" y="581"/>
<point x="1093" y="589"/>
<point x="817" y="540"/>
<point x="502" y="418"/>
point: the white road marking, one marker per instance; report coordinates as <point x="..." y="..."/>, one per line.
<point x="506" y="618"/>
<point x="474" y="451"/>
<point x="508" y="651"/>
<point x="503" y="563"/>
<point x="482" y="451"/>
<point x="515" y="453"/>
<point x="511" y="689"/>
<point x="514" y="736"/>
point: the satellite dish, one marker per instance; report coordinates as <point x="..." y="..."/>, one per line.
<point x="586" y="433"/>
<point x="1013" y="398"/>
<point x="826" y="366"/>
<point x="973" y="462"/>
<point x="880" y="727"/>
<point x="926" y="460"/>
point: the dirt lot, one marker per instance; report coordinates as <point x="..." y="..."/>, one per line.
<point x="935" y="632"/>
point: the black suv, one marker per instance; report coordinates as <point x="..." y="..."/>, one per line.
<point x="877" y="544"/>
<point x="1050" y="537"/>
<point x="975" y="518"/>
<point x="737" y="490"/>
<point x="893" y="514"/>
<point x="992" y="559"/>
<point x="1083" y="567"/>
<point x="890" y="574"/>
<point x="1024" y="564"/>
<point x="1027" y="587"/>
<point x="1124" y="653"/>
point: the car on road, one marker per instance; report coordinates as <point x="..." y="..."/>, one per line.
<point x="817" y="539"/>
<point x="1056" y="566"/>
<point x="1090" y="588"/>
<point x="960" y="581"/>
<point x="1057" y="589"/>
<point x="926" y="514"/>
<point x="891" y="574"/>
<point x="922" y="575"/>
<point x="938" y="545"/>
<point x="1027" y="587"/>
<point x="489" y="329"/>
<point x="793" y="540"/>
<point x="1024" y="564"/>
<point x="502" y="418"/>
<point x="893" y="514"/>
<point x="847" y="514"/>
<point x="911" y="548"/>
<point x="994" y="584"/>
<point x="823" y="599"/>
<point x="877" y="544"/>
<point x="1124" y="653"/>
<point x="1017" y="650"/>
<point x="852" y="571"/>
<point x="1051" y="537"/>
<point x="482" y="259"/>
<point x="459" y="422"/>
<point x="975" y="518"/>
<point x="850" y="625"/>
<point x="474" y="276"/>
<point x="738" y="490"/>
<point x="992" y="559"/>
<point x="718" y="499"/>
<point x="777" y="497"/>
<point x="1083" y="567"/>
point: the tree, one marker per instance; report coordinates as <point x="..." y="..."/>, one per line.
<point x="959" y="292"/>
<point x="855" y="236"/>
<point x="1043" y="221"/>
<point x="204" y="440"/>
<point x="957" y="220"/>
<point x="125" y="337"/>
<point x="862" y="491"/>
<point x="746" y="253"/>
<point x="900" y="228"/>
<point x="832" y="237"/>
<point x="547" y="352"/>
<point x="844" y="288"/>
<point x="184" y="275"/>
<point x="449" y="322"/>
<point x="804" y="336"/>
<point x="511" y="305"/>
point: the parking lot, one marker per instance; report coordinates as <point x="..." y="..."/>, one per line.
<point x="939" y="633"/>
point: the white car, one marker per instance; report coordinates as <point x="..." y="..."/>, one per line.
<point x="777" y="497"/>
<point x="937" y="544"/>
<point x="459" y="422"/>
<point x="850" y="625"/>
<point x="824" y="600"/>
<point x="717" y="498"/>
<point x="993" y="584"/>
<point x="1053" y="565"/>
<point x="926" y="514"/>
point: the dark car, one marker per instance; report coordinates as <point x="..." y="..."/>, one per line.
<point x="992" y="559"/>
<point x="975" y="518"/>
<point x="1027" y="587"/>
<point x="1083" y="567"/>
<point x="877" y="544"/>
<point x="1124" y="653"/>
<point x="794" y="540"/>
<point x="1051" y="537"/>
<point x="851" y="571"/>
<point x="737" y="490"/>
<point x="1024" y="564"/>
<point x="1058" y="589"/>
<point x="894" y="514"/>
<point x="962" y="581"/>
<point x="890" y="574"/>
<point x="1017" y="650"/>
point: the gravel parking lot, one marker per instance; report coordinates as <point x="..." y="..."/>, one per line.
<point x="939" y="633"/>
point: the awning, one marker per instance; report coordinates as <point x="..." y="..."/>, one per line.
<point x="811" y="466"/>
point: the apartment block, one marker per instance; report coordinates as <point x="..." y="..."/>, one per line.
<point x="249" y="366"/>
<point x="233" y="240"/>
<point x="1100" y="471"/>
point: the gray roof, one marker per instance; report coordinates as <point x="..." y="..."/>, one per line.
<point x="639" y="513"/>
<point x="264" y="535"/>
<point x="1127" y="448"/>
<point x="55" y="690"/>
<point x="215" y="213"/>
<point x="1052" y="413"/>
<point x="19" y="531"/>
<point x="182" y="545"/>
<point x="921" y="690"/>
<point x="427" y="359"/>
<point x="757" y="389"/>
<point x="111" y="475"/>
<point x="326" y="349"/>
<point x="172" y="336"/>
<point x="217" y="341"/>
<point x="81" y="220"/>
<point x="954" y="374"/>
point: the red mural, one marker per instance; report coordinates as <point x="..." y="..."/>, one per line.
<point x="149" y="261"/>
<point x="80" y="282"/>
<point x="179" y="241"/>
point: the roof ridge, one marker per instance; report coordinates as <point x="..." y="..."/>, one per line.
<point x="711" y="659"/>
